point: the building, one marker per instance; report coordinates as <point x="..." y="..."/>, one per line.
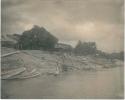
<point x="8" y="41"/>
<point x="63" y="47"/>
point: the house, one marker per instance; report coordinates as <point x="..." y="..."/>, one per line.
<point x="63" y="47"/>
<point x="8" y="41"/>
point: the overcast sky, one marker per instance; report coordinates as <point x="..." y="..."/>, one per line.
<point x="69" y="20"/>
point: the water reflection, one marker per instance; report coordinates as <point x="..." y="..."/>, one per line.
<point x="79" y="84"/>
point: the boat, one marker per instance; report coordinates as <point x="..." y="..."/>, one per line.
<point x="26" y="74"/>
<point x="12" y="72"/>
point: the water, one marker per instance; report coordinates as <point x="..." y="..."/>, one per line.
<point x="106" y="84"/>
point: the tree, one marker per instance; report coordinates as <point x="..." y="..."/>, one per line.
<point x="85" y="48"/>
<point x="37" y="38"/>
<point x="119" y="55"/>
<point x="78" y="48"/>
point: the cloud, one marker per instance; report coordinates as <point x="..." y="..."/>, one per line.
<point x="69" y="20"/>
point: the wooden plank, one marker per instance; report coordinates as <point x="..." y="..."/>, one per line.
<point x="13" y="72"/>
<point x="11" y="53"/>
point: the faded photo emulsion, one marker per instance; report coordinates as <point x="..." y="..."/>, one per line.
<point x="62" y="49"/>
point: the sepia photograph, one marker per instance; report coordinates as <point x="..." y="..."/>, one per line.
<point x="62" y="49"/>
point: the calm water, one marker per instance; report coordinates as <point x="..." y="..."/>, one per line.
<point x="79" y="84"/>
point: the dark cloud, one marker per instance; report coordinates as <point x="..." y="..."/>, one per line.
<point x="69" y="20"/>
